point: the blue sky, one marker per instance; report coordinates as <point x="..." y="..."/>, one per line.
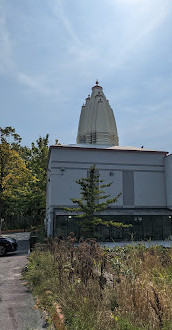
<point x="52" y="52"/>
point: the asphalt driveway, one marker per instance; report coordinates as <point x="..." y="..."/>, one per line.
<point x="16" y="302"/>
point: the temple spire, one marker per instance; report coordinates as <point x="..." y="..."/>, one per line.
<point x="97" y="122"/>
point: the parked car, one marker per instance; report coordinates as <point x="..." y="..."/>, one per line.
<point x="7" y="244"/>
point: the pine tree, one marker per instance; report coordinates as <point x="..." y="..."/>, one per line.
<point x="93" y="201"/>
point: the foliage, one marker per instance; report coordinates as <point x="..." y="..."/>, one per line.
<point x="14" y="175"/>
<point x="36" y="159"/>
<point x="104" y="289"/>
<point x="16" y="181"/>
<point x="22" y="178"/>
<point x="93" y="201"/>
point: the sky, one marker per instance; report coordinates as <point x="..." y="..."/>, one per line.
<point x="53" y="51"/>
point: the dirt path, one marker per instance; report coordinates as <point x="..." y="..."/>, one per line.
<point x="16" y="303"/>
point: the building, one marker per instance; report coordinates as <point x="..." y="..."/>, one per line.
<point x="144" y="177"/>
<point x="97" y="123"/>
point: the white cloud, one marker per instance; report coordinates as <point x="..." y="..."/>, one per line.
<point x="58" y="11"/>
<point x="65" y="45"/>
<point x="138" y="25"/>
<point x="38" y="83"/>
<point x="151" y="26"/>
<point x="77" y="49"/>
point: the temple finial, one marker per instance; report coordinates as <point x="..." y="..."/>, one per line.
<point x="97" y="82"/>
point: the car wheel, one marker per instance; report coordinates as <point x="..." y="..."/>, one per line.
<point x="2" y="250"/>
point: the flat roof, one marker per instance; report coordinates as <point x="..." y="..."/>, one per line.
<point x="106" y="148"/>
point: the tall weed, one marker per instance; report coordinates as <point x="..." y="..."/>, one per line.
<point x="124" y="288"/>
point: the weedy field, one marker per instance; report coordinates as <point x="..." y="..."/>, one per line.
<point x="86" y="287"/>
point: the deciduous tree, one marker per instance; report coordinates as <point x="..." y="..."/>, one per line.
<point x="14" y="174"/>
<point x="37" y="158"/>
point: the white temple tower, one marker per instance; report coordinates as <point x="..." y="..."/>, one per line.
<point x="97" y="122"/>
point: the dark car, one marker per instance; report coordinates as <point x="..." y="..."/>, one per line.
<point x="7" y="244"/>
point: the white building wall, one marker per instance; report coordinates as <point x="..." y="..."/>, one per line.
<point x="149" y="189"/>
<point x="116" y="178"/>
<point x="66" y="165"/>
<point x="64" y="186"/>
<point x="168" y="178"/>
<point x="152" y="176"/>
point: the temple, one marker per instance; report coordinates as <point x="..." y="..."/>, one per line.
<point x="142" y="176"/>
<point x="97" y="122"/>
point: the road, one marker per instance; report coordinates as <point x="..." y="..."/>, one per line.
<point x="16" y="302"/>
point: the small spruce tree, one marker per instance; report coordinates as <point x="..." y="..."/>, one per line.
<point x="93" y="201"/>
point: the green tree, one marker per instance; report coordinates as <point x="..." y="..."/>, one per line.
<point x="16" y="185"/>
<point x="37" y="158"/>
<point x="93" y="201"/>
<point x="14" y="175"/>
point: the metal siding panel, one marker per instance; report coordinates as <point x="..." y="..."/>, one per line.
<point x="128" y="188"/>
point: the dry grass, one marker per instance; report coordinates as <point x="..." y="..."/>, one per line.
<point x="128" y="288"/>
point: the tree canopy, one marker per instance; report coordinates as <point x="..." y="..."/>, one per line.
<point x="22" y="177"/>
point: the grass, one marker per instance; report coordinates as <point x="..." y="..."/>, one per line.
<point x="127" y="288"/>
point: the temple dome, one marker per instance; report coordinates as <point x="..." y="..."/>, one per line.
<point x="97" y="122"/>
